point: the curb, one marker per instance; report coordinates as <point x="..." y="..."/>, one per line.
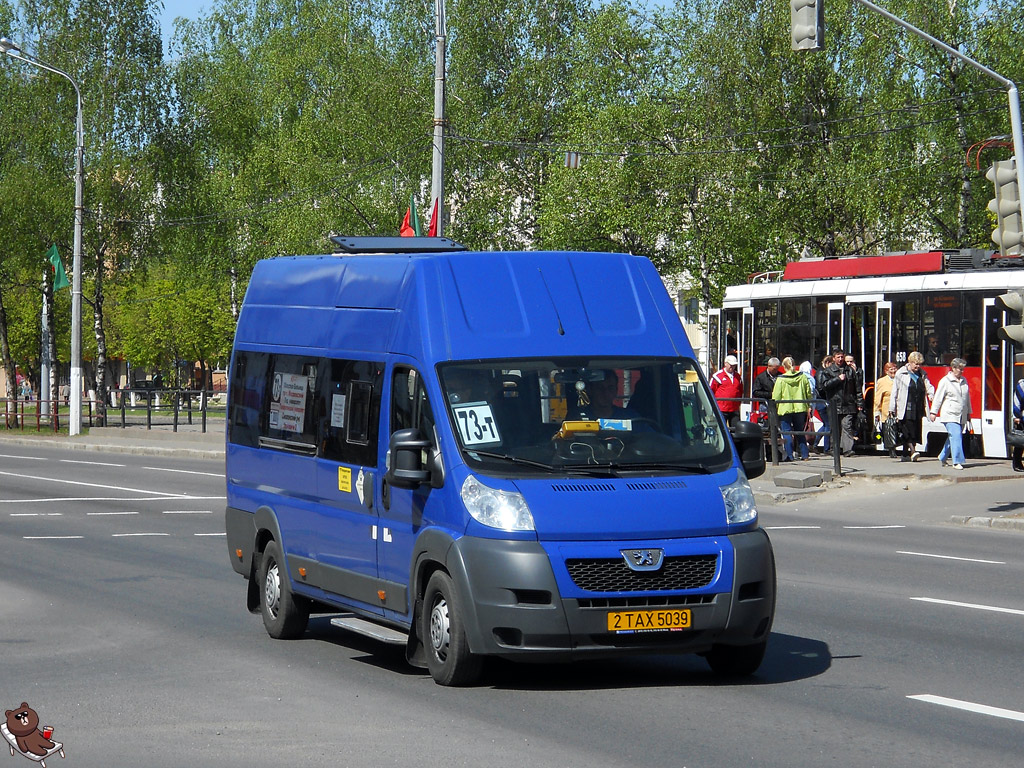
<point x="1000" y="523"/>
<point x="134" y="448"/>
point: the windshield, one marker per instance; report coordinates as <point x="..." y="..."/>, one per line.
<point x="587" y="415"/>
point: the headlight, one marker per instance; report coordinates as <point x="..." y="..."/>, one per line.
<point x="739" y="502"/>
<point x="506" y="510"/>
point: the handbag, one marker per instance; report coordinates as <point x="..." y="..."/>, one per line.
<point x="973" y="446"/>
<point x="890" y="432"/>
<point x="1015" y="437"/>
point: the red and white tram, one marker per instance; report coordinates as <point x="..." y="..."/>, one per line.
<point x="881" y="308"/>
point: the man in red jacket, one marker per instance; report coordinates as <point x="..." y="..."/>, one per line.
<point x="728" y="384"/>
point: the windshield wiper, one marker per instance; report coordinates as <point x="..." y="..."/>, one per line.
<point x="615" y="466"/>
<point x="514" y="460"/>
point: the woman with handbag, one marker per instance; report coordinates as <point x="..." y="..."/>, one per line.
<point x="910" y="392"/>
<point x="885" y="425"/>
<point x="952" y="406"/>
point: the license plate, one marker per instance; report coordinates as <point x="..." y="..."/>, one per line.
<point x="648" y="621"/>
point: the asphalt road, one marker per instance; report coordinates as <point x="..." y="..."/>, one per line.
<point x="123" y="625"/>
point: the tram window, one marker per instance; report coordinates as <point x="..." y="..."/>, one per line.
<point x="766" y="331"/>
<point x="970" y="338"/>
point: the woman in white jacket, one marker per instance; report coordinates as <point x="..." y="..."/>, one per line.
<point x="952" y="406"/>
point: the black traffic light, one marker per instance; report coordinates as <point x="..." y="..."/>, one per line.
<point x="1012" y="332"/>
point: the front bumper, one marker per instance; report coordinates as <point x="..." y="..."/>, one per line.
<point x="515" y="609"/>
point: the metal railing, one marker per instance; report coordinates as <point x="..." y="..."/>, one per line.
<point x="775" y="431"/>
<point x="129" y="407"/>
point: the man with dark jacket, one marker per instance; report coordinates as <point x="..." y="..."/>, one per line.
<point x="764" y="383"/>
<point x="838" y="383"/>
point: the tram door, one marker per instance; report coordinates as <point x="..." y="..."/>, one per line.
<point x="737" y="338"/>
<point x="883" y="336"/>
<point x="713" y="361"/>
<point x="993" y="383"/>
<point x="862" y="344"/>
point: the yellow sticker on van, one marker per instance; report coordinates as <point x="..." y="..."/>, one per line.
<point x="345" y="479"/>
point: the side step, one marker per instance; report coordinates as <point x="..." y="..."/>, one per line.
<point x="370" y="629"/>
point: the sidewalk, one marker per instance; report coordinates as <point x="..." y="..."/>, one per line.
<point x="187" y="442"/>
<point x="793" y="481"/>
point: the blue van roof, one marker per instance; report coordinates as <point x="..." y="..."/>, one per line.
<point x="463" y="305"/>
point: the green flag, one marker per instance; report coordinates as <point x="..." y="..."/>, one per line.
<point x="60" y="277"/>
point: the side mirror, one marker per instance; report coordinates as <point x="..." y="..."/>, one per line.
<point x="407" y="467"/>
<point x="750" y="446"/>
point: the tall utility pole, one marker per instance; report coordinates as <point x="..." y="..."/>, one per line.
<point x="437" y="174"/>
<point x="75" y="420"/>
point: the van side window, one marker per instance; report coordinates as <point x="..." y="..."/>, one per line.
<point x="290" y="412"/>
<point x="247" y="386"/>
<point x="410" y="406"/>
<point x="350" y="413"/>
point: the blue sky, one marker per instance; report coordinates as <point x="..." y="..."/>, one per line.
<point x="190" y="9"/>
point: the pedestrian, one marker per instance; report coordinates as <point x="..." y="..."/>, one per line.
<point x="790" y="386"/>
<point x="761" y="391"/>
<point x="725" y="386"/>
<point x="1018" y="425"/>
<point x="822" y="410"/>
<point x="838" y="383"/>
<point x="910" y="391"/>
<point x="883" y="394"/>
<point x="952" y="407"/>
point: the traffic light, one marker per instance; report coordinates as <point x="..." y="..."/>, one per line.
<point x="1012" y="332"/>
<point x="807" y="24"/>
<point x="1008" y="234"/>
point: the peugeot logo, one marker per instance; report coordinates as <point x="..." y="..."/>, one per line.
<point x="643" y="559"/>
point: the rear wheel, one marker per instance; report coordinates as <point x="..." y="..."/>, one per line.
<point x="444" y="636"/>
<point x="284" y="615"/>
<point x="736" y="660"/>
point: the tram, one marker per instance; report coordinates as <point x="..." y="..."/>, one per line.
<point x="881" y="308"/>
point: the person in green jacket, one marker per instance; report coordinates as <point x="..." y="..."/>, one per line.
<point x="791" y="385"/>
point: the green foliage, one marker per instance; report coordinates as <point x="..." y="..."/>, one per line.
<point x="706" y="143"/>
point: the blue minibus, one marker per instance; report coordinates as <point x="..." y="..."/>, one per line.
<point x="476" y="454"/>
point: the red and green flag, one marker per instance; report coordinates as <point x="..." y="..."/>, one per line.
<point x="60" y="277"/>
<point x="411" y="223"/>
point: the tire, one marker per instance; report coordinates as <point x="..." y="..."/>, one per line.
<point x="284" y="615"/>
<point x="444" y="635"/>
<point x="736" y="660"/>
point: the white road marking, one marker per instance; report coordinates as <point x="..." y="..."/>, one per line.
<point x="26" y="458"/>
<point x="870" y="527"/>
<point x="955" y="604"/>
<point x="91" y="463"/>
<point x="188" y="512"/>
<point x="111" y="513"/>
<point x="50" y="500"/>
<point x="186" y="471"/>
<point x="52" y="537"/>
<point x="36" y="514"/>
<point x="118" y="535"/>
<point x="222" y="533"/>
<point x="792" y="527"/>
<point x="94" y="485"/>
<point x="969" y="706"/>
<point x="951" y="557"/>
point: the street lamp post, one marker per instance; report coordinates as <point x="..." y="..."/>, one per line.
<point x="75" y="421"/>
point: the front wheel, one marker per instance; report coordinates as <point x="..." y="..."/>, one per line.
<point x="736" y="660"/>
<point x="284" y="615"/>
<point x="448" y="656"/>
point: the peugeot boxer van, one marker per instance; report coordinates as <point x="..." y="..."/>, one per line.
<point x="489" y="454"/>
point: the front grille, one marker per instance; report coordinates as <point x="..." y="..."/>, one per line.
<point x="613" y="575"/>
